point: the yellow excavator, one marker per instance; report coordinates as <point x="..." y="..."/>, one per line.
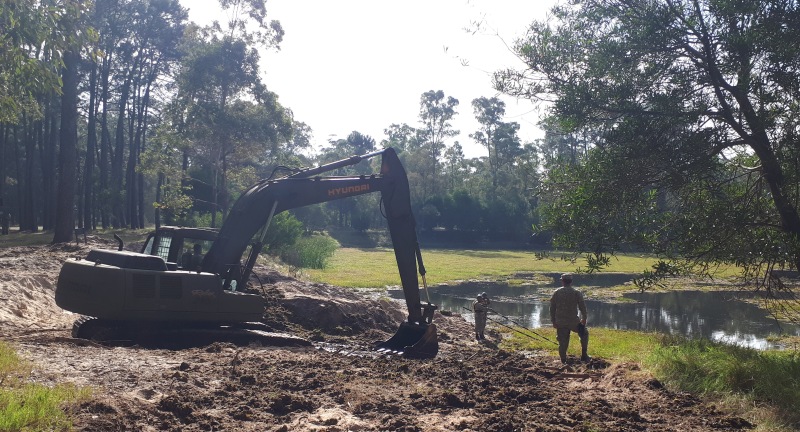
<point x="162" y="288"/>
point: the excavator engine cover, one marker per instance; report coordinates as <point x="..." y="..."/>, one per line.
<point x="415" y="341"/>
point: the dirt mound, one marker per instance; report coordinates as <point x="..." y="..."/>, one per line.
<point x="336" y="385"/>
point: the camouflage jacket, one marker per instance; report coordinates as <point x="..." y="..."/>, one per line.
<point x="480" y="308"/>
<point x="565" y="304"/>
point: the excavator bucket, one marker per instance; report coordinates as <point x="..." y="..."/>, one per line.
<point x="416" y="341"/>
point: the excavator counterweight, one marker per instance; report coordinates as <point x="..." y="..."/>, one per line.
<point x="172" y="283"/>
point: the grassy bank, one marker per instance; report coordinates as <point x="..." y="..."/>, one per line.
<point x="761" y="386"/>
<point x="32" y="407"/>
<point x="368" y="268"/>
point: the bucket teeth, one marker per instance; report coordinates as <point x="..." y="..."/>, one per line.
<point x="417" y="341"/>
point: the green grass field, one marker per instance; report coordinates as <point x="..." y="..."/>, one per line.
<point x="376" y="268"/>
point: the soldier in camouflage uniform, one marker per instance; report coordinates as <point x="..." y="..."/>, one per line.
<point x="481" y="309"/>
<point x="565" y="304"/>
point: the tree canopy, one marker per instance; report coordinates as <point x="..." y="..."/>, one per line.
<point x="691" y="109"/>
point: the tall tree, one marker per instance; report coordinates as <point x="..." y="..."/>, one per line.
<point x="499" y="138"/>
<point x="402" y="137"/>
<point x="222" y="66"/>
<point x="34" y="38"/>
<point x="73" y="27"/>
<point x="436" y="113"/>
<point x="68" y="153"/>
<point x="674" y="90"/>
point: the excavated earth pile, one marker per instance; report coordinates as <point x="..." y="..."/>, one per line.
<point x="338" y="383"/>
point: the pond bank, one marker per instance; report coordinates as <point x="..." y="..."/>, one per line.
<point x="722" y="311"/>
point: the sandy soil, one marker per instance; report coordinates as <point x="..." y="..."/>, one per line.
<point x="335" y="385"/>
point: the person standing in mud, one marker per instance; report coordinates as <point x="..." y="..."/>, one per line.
<point x="481" y="309"/>
<point x="568" y="314"/>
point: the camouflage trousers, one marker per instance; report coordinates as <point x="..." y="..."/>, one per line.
<point x="563" y="335"/>
<point x="480" y="323"/>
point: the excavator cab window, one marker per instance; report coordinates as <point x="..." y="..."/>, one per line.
<point x="162" y="249"/>
<point x="161" y="246"/>
<point x="193" y="252"/>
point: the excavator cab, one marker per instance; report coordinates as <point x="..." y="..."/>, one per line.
<point x="181" y="248"/>
<point x="188" y="276"/>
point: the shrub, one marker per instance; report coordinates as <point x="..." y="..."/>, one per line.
<point x="284" y="231"/>
<point x="310" y="252"/>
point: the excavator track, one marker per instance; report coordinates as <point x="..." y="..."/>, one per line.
<point x="98" y="330"/>
<point x="177" y="336"/>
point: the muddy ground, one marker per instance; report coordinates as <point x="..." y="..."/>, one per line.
<point x="337" y="383"/>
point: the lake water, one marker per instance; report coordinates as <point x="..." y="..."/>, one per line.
<point x="719" y="316"/>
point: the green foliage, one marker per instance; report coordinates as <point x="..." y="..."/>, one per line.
<point x="197" y="219"/>
<point x="310" y="252"/>
<point x="676" y="146"/>
<point x="283" y="233"/>
<point x="235" y="125"/>
<point x="651" y="278"/>
<point x="33" y="41"/>
<point x="701" y="366"/>
<point x="32" y="407"/>
<point x="596" y="262"/>
<point x="589" y="208"/>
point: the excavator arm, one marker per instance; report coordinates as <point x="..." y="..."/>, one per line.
<point x="253" y="211"/>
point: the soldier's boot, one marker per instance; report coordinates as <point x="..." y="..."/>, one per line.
<point x="477" y="336"/>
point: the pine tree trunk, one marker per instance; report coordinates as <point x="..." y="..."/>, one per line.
<point x="91" y="145"/>
<point x="28" y="220"/>
<point x="68" y="153"/>
<point x="105" y="142"/>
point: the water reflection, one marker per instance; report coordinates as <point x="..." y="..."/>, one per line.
<point x="720" y="316"/>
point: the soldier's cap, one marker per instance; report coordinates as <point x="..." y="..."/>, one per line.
<point x="566" y="277"/>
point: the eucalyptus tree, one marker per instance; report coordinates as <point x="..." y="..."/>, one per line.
<point x="216" y="77"/>
<point x="435" y="115"/>
<point x="695" y="109"/>
<point x="402" y="137"/>
<point x="299" y="144"/>
<point x="489" y="112"/>
<point x="220" y="69"/>
<point x="454" y="167"/>
<point x="159" y="29"/>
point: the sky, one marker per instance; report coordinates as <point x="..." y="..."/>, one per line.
<point x="362" y="65"/>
